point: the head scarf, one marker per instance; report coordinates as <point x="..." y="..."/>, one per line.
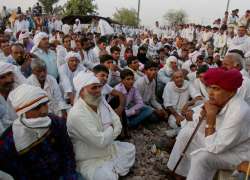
<point x="18" y="76"/>
<point x="27" y="131"/>
<point x="26" y="97"/>
<point x="84" y="79"/>
<point x="72" y="54"/>
<point x="23" y="35"/>
<point x="229" y="80"/>
<point x="168" y="67"/>
<point x="37" y="39"/>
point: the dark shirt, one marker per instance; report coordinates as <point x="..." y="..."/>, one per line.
<point x="51" y="157"/>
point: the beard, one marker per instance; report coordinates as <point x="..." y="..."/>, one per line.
<point x="92" y="100"/>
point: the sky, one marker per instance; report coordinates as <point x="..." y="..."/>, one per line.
<point x="199" y="11"/>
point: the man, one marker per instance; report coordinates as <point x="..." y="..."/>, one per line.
<point x="58" y="24"/>
<point x="24" y="39"/>
<point x="235" y="61"/>
<point x="223" y="139"/>
<point x="36" y="146"/>
<point x="241" y="41"/>
<point x="20" y="59"/>
<point x="41" y="49"/>
<point x="93" y="126"/>
<point x="67" y="72"/>
<point x="135" y="110"/>
<point x="10" y="78"/>
<point x="62" y="50"/>
<point x="77" y="27"/>
<point x="146" y="86"/>
<point x="90" y="57"/>
<point x="176" y="97"/>
<point x="198" y="85"/>
<point x="133" y="65"/>
<point x="4" y="49"/>
<point x="114" y="74"/>
<point x="41" y="79"/>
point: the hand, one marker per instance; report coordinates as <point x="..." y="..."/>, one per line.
<point x="179" y="118"/>
<point x="189" y="115"/>
<point x="243" y="167"/>
<point x="161" y="113"/>
<point x="211" y="109"/>
<point x="71" y="98"/>
<point x="119" y="111"/>
<point x="64" y="114"/>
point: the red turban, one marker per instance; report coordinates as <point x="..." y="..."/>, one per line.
<point x="229" y="80"/>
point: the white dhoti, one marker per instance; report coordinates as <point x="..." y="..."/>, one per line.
<point x="110" y="169"/>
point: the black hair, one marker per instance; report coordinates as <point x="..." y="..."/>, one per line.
<point x="66" y="36"/>
<point x="100" y="68"/>
<point x="131" y="59"/>
<point x="150" y="64"/>
<point x="125" y="73"/>
<point x="237" y="51"/>
<point x="105" y="58"/>
<point x="115" y="48"/>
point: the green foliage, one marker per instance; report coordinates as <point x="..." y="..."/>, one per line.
<point x="48" y="5"/>
<point x="126" y="16"/>
<point x="174" y="17"/>
<point x="80" y="7"/>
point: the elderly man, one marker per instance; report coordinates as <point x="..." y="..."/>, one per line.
<point x="67" y="72"/>
<point x="41" y="49"/>
<point x="36" y="146"/>
<point x="235" y="61"/>
<point x="223" y="139"/>
<point x="10" y="78"/>
<point x="48" y="83"/>
<point x="176" y="96"/>
<point x="93" y="126"/>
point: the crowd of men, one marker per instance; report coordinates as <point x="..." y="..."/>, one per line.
<point x="69" y="96"/>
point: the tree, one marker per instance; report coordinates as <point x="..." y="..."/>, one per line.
<point x="80" y="7"/>
<point x="48" y="5"/>
<point x="126" y="16"/>
<point x="175" y="17"/>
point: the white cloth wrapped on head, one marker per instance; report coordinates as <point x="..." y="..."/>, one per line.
<point x="37" y="39"/>
<point x="84" y="79"/>
<point x="72" y="54"/>
<point x="26" y="97"/>
<point x="18" y="76"/>
<point x="23" y="35"/>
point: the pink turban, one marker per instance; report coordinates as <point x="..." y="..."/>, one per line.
<point x="229" y="80"/>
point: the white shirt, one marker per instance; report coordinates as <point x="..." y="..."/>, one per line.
<point x="56" y="101"/>
<point x="58" y="25"/>
<point x="90" y="59"/>
<point x="147" y="91"/>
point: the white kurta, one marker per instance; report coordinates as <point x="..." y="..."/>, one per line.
<point x="56" y="101"/>
<point x="66" y="77"/>
<point x="98" y="156"/>
<point x="224" y="149"/>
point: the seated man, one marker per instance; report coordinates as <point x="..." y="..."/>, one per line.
<point x="36" y="146"/>
<point x="41" y="79"/>
<point x="135" y="109"/>
<point x="133" y="65"/>
<point x="114" y="74"/>
<point x="10" y="78"/>
<point x="223" y="139"/>
<point x="176" y="96"/>
<point x="146" y="86"/>
<point x="198" y="85"/>
<point x="93" y="126"/>
<point x="67" y="72"/>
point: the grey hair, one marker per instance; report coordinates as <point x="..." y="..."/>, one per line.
<point x="237" y="58"/>
<point x="37" y="63"/>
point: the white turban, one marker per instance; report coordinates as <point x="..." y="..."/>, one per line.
<point x="23" y="35"/>
<point x="6" y="67"/>
<point x="26" y="97"/>
<point x="37" y="39"/>
<point x="77" y="20"/>
<point x="72" y="54"/>
<point x="84" y="79"/>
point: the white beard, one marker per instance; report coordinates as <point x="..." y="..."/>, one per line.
<point x="92" y="100"/>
